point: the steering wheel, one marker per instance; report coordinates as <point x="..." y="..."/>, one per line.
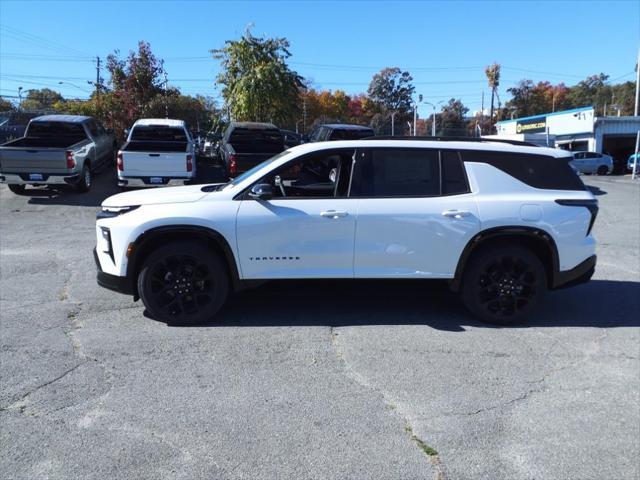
<point x="278" y="181"/>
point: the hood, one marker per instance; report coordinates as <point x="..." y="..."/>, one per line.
<point x="156" y="196"/>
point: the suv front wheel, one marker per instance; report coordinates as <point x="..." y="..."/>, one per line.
<point x="503" y="284"/>
<point x="183" y="283"/>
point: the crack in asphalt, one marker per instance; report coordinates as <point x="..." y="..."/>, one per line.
<point x="434" y="460"/>
<point x="19" y="404"/>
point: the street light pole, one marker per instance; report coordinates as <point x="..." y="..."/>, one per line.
<point x="19" y="98"/>
<point x="637" y="83"/>
<point x="393" y="124"/>
<point x="433" y="122"/>
<point x="415" y="114"/>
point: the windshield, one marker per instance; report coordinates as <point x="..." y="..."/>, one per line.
<point x="250" y="172"/>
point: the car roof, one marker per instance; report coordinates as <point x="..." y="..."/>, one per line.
<point x="487" y="145"/>
<point x="62" y="118"/>
<point x="345" y="126"/>
<point x="165" y="122"/>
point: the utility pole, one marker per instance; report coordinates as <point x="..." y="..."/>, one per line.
<point x="481" y="114"/>
<point x="166" y="103"/>
<point x="98" y="79"/>
<point x="393" y="123"/>
<point x="304" y="114"/>
<point x="637" y="83"/>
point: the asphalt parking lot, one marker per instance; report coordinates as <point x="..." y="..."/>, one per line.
<point x="322" y="380"/>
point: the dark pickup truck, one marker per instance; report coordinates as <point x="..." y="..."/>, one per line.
<point x="246" y="144"/>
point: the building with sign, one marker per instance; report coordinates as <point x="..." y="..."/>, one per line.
<point x="577" y="130"/>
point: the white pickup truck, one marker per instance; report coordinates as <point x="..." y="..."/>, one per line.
<point x="158" y="151"/>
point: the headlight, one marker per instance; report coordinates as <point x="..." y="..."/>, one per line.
<point x="109" y="212"/>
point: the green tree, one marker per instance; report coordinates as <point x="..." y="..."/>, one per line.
<point x="593" y="90"/>
<point x="41" y="99"/>
<point x="390" y="91"/>
<point x="452" y="118"/>
<point x="5" y="105"/>
<point x="257" y="84"/>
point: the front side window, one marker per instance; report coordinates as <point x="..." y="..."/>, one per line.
<point x="397" y="172"/>
<point x="323" y="174"/>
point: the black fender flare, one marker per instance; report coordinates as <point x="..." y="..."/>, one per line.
<point x="542" y="238"/>
<point x="146" y="241"/>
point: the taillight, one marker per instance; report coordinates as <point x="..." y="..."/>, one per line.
<point x="589" y="204"/>
<point x="233" y="166"/>
<point x="120" y="162"/>
<point x="71" y="163"/>
<point x="189" y="163"/>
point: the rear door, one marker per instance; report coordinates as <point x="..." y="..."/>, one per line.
<point x="416" y="213"/>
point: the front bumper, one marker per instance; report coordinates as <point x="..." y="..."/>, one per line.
<point x="113" y="282"/>
<point x="47" y="179"/>
<point x="137" y="182"/>
<point x="581" y="273"/>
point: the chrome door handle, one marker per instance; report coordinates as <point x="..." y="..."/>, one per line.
<point x="333" y="214"/>
<point x="455" y="213"/>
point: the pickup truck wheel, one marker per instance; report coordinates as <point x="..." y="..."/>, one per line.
<point x="17" y="189"/>
<point x="503" y="285"/>
<point x="183" y="283"/>
<point x="84" y="182"/>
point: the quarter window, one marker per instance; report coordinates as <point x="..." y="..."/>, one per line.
<point x="454" y="180"/>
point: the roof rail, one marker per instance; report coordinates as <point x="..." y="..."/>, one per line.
<point x="452" y="139"/>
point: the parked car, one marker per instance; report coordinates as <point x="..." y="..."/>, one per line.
<point x="57" y="150"/>
<point x="158" y="151"/>
<point x="501" y="223"/>
<point x="340" y="131"/>
<point x="291" y="138"/>
<point x="13" y="124"/>
<point x="245" y="144"/>
<point x="592" y="162"/>
<point x="631" y="160"/>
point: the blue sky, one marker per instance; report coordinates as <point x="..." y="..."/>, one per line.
<point x="339" y="45"/>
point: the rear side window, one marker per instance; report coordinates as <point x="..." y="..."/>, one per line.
<point x="538" y="171"/>
<point x="399" y="172"/>
<point x="454" y="179"/>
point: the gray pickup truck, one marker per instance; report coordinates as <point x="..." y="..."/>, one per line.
<point x="57" y="150"/>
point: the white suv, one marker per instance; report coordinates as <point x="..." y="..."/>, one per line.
<point x="501" y="222"/>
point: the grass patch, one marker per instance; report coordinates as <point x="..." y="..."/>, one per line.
<point x="431" y="452"/>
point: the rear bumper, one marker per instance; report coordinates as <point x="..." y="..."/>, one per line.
<point x="581" y="273"/>
<point x="146" y="181"/>
<point x="112" y="282"/>
<point x="47" y="179"/>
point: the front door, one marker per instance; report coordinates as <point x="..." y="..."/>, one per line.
<point x="307" y="229"/>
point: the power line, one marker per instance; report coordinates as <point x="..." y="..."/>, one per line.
<point x="35" y="39"/>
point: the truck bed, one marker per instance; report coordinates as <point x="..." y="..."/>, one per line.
<point x="40" y="142"/>
<point x="38" y="155"/>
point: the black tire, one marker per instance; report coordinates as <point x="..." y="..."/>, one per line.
<point x="503" y="284"/>
<point x="17" y="189"/>
<point x="85" y="180"/>
<point x="602" y="170"/>
<point x="183" y="283"/>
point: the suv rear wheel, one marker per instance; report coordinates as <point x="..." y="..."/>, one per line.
<point x="183" y="283"/>
<point x="503" y="284"/>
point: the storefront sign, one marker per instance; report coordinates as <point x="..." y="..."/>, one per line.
<point x="532" y="125"/>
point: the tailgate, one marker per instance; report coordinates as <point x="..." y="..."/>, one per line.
<point x="155" y="164"/>
<point x="247" y="161"/>
<point x="33" y="160"/>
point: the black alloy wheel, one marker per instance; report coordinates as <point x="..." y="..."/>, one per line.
<point x="183" y="284"/>
<point x="503" y="285"/>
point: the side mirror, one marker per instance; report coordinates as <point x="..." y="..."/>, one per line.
<point x="261" y="191"/>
